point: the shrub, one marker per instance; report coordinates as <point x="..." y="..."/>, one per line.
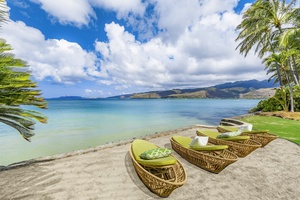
<point x="297" y="98"/>
<point x="280" y="101"/>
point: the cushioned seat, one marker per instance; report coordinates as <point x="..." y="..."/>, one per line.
<point x="236" y="138"/>
<point x="162" y="175"/>
<point x="261" y="136"/>
<point x="140" y="146"/>
<point x="185" y="141"/>
<point x="256" y="132"/>
<point x="214" y="134"/>
<point x="211" y="157"/>
<point x="234" y="128"/>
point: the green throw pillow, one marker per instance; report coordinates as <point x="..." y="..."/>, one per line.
<point x="156" y="153"/>
<point x="229" y="134"/>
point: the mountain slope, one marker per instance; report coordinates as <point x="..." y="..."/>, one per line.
<point x="238" y="89"/>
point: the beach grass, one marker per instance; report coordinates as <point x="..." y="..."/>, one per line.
<point x="284" y="128"/>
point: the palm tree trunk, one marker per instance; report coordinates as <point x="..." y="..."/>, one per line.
<point x="279" y="74"/>
<point x="291" y="91"/>
<point x="296" y="69"/>
<point x="292" y="72"/>
<point x="292" y="97"/>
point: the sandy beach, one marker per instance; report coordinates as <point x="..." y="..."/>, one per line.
<point x="106" y="172"/>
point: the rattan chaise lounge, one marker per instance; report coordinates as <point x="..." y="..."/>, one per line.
<point x="161" y="175"/>
<point x="239" y="145"/>
<point x="261" y="136"/>
<point x="213" y="158"/>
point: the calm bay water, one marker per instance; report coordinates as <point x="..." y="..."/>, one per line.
<point x="80" y="124"/>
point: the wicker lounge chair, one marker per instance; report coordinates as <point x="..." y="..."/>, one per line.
<point x="161" y="175"/>
<point x="213" y="158"/>
<point x="261" y="136"/>
<point x="239" y="145"/>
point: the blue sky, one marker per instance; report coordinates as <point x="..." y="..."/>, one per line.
<point x="101" y="48"/>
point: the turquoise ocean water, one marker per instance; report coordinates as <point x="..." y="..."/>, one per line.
<point x="80" y="124"/>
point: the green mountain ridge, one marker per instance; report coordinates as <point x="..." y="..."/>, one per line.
<point x="239" y="89"/>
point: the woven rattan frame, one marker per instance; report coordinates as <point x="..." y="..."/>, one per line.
<point x="160" y="180"/>
<point x="212" y="161"/>
<point x="263" y="138"/>
<point x="241" y="148"/>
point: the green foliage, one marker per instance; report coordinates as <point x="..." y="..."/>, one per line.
<point x="271" y="28"/>
<point x="297" y="97"/>
<point x="282" y="97"/>
<point x="16" y="89"/>
<point x="269" y="105"/>
<point x="280" y="101"/>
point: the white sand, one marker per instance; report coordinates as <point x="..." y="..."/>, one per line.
<point x="272" y="172"/>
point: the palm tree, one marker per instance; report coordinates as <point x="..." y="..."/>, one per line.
<point x="291" y="40"/>
<point x="255" y="30"/>
<point x="281" y="60"/>
<point x="263" y="23"/>
<point x="17" y="89"/>
<point x="263" y="28"/>
<point x="272" y="70"/>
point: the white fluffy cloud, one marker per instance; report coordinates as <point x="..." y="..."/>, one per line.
<point x="77" y="12"/>
<point x="122" y="8"/>
<point x="80" y="12"/>
<point x="65" y="62"/>
<point x="195" y="48"/>
<point x="188" y="44"/>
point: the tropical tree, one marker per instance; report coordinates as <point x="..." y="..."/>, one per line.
<point x="17" y="90"/>
<point x="272" y="26"/>
<point x="291" y="40"/>
<point x="281" y="60"/>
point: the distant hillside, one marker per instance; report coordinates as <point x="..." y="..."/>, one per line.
<point x="238" y="89"/>
<point x="255" y="84"/>
<point x="259" y="94"/>
<point x="67" y="98"/>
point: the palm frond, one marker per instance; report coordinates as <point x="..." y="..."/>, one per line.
<point x="25" y="132"/>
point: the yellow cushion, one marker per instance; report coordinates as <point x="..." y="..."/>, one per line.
<point x="209" y="147"/>
<point x="185" y="141"/>
<point x="232" y="128"/>
<point x="209" y="133"/>
<point x="140" y="146"/>
<point x="214" y="134"/>
<point x="256" y="132"/>
<point x="229" y="128"/>
<point x="236" y="138"/>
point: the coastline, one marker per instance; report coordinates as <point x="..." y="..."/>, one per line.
<point x="82" y="125"/>
<point x="106" y="172"/>
<point x="92" y="149"/>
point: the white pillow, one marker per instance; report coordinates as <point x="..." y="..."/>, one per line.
<point x="199" y="141"/>
<point x="246" y="128"/>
